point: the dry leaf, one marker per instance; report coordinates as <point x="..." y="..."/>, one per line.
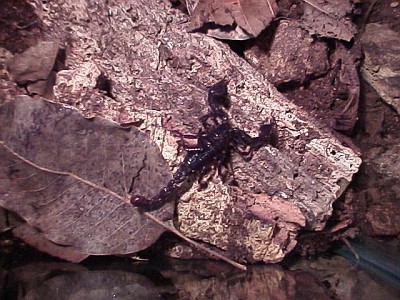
<point x="33" y="237"/>
<point x="240" y="19"/>
<point x="70" y="177"/>
<point x="329" y="18"/>
<point x="8" y="220"/>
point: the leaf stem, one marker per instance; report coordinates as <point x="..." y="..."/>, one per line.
<point x="89" y="183"/>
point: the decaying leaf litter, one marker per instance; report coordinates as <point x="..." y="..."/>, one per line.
<point x="163" y="90"/>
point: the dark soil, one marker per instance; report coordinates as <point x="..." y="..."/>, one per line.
<point x="20" y="27"/>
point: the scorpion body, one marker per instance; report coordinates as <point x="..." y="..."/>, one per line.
<point x="214" y="146"/>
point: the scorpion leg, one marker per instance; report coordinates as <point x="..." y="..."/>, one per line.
<point x="266" y="136"/>
<point x="205" y="176"/>
<point x="204" y="120"/>
<point x="204" y="142"/>
<point x="182" y="144"/>
<point x="225" y="167"/>
<point x="242" y="143"/>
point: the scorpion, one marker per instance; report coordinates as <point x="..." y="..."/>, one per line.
<point x="215" y="145"/>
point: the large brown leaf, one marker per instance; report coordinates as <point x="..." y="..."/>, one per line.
<point x="36" y="239"/>
<point x="70" y="177"/>
<point x="329" y="18"/>
<point x="245" y="18"/>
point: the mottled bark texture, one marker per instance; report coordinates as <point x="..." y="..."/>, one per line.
<point x="157" y="76"/>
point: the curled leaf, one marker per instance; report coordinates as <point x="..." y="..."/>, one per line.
<point x="243" y="19"/>
<point x="329" y="18"/>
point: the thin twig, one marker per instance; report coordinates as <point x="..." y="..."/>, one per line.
<point x="27" y="25"/>
<point x="317" y="7"/>
<point x="346" y="242"/>
<point x="271" y="9"/>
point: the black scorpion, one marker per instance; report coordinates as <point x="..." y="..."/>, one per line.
<point x="215" y="145"/>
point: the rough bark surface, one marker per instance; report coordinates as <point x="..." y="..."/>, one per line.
<point x="157" y="77"/>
